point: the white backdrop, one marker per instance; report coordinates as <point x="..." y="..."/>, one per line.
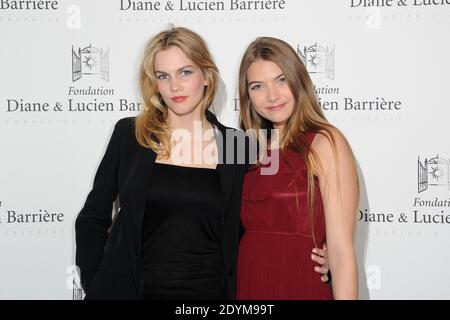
<point x="68" y="72"/>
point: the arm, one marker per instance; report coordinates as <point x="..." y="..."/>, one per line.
<point x="339" y="188"/>
<point x="94" y="219"/>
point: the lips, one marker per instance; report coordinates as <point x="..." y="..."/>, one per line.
<point x="178" y="99"/>
<point x="276" y="107"/>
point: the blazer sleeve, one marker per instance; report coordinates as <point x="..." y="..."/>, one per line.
<point x="94" y="219"/>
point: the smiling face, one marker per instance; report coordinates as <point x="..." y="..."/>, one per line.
<point x="269" y="92"/>
<point x="180" y="81"/>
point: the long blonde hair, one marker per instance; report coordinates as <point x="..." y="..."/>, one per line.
<point x="307" y="115"/>
<point x="152" y="130"/>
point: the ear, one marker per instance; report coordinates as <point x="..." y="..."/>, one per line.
<point x="207" y="75"/>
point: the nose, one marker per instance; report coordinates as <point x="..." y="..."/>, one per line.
<point x="272" y="94"/>
<point x="175" y="85"/>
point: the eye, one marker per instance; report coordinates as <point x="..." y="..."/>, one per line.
<point x="161" y="76"/>
<point x="282" y="80"/>
<point x="185" y="73"/>
<point x="255" y="87"/>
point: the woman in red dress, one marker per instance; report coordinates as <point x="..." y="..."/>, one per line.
<point x="313" y="196"/>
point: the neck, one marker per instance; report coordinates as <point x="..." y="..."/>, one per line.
<point x="279" y="128"/>
<point x="279" y="134"/>
<point x="186" y="121"/>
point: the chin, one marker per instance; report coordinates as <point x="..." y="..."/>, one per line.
<point x="182" y="111"/>
<point x="277" y="120"/>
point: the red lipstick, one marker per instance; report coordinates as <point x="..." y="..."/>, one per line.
<point x="179" y="99"/>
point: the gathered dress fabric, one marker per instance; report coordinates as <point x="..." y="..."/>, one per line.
<point x="274" y="260"/>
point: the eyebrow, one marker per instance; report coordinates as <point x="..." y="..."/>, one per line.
<point x="187" y="66"/>
<point x="276" y="78"/>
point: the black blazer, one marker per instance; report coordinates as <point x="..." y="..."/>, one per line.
<point x="109" y="253"/>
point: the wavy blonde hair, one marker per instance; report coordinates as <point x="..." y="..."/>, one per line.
<point x="307" y="115"/>
<point x="152" y="130"/>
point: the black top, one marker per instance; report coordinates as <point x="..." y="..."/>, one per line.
<point x="182" y="255"/>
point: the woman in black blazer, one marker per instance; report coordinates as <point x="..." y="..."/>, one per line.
<point x="177" y="231"/>
<point x="156" y="246"/>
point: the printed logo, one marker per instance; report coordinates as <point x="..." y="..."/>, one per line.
<point x="318" y="59"/>
<point x="433" y="172"/>
<point x="90" y="61"/>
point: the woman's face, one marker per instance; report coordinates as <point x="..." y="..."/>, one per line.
<point x="269" y="92"/>
<point x="180" y="81"/>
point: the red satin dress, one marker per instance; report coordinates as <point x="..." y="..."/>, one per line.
<point x="275" y="251"/>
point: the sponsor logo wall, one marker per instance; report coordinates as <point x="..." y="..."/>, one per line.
<point x="69" y="71"/>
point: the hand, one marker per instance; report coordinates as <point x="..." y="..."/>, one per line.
<point x="321" y="257"/>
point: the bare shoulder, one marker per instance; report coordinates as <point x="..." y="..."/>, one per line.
<point x="330" y="145"/>
<point x="325" y="140"/>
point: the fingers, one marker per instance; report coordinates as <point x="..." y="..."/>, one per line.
<point x="320" y="260"/>
<point x="320" y="256"/>
<point x="322" y="270"/>
<point x="321" y="252"/>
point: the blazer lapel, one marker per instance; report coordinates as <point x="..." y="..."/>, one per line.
<point x="227" y="171"/>
<point x="138" y="186"/>
<point x="145" y="161"/>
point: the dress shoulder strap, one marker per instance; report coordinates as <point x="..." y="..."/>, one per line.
<point x="310" y="137"/>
